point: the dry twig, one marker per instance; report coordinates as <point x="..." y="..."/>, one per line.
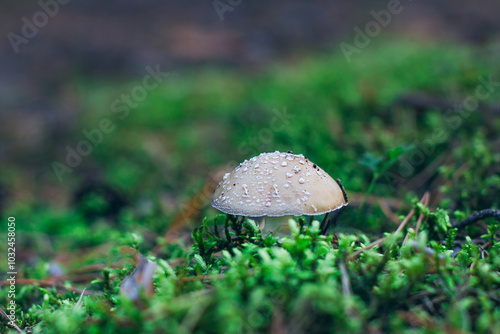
<point x="488" y="213"/>
<point x="45" y="283"/>
<point x="381" y="240"/>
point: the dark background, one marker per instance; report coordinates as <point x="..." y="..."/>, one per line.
<point x="118" y="39"/>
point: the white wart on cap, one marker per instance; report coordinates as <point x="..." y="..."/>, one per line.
<point x="278" y="184"/>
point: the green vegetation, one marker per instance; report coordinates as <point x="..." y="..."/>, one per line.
<point x="357" y="121"/>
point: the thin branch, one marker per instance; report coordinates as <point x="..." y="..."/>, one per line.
<point x="44" y="283"/>
<point x="388" y="212"/>
<point x="201" y="278"/>
<point x="95" y="267"/>
<point x="370" y="246"/>
<point x="473" y="218"/>
<point x="399" y="229"/>
<point x="11" y="322"/>
<point x="190" y="209"/>
<point x="356" y="199"/>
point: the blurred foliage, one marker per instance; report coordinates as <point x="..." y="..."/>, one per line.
<point x="343" y="116"/>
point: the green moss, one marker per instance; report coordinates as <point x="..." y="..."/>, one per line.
<point x="230" y="278"/>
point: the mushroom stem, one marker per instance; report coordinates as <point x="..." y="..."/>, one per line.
<point x="277" y="225"/>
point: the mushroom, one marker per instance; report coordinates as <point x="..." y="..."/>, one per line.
<point x="279" y="185"/>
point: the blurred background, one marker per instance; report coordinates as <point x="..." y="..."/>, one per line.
<point x="134" y="108"/>
<point x="119" y="118"/>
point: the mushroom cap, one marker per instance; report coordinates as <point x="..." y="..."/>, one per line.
<point x="278" y="184"/>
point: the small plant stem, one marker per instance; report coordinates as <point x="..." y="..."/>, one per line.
<point x="421" y="217"/>
<point x="346" y="283"/>
<point x="425" y="200"/>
